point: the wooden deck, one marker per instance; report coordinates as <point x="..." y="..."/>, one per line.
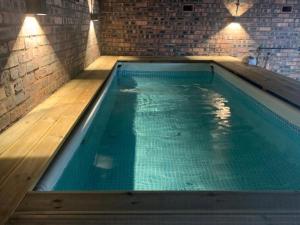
<point x="27" y="148"/>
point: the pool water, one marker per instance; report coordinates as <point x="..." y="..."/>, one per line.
<point x="185" y="131"/>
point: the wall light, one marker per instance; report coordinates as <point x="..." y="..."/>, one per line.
<point x="234" y="26"/>
<point x="36" y="7"/>
<point x="237" y="7"/>
<point x="233" y="23"/>
<point x="94" y="13"/>
<point x="232" y="19"/>
<point x="94" y="16"/>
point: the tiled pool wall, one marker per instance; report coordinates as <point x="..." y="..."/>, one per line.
<point x="40" y="53"/>
<point x="163" y="28"/>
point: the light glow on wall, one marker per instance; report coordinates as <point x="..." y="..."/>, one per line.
<point x="90" y="6"/>
<point x="235" y="31"/>
<point x="33" y="56"/>
<point x="93" y="13"/>
<point x="31" y="27"/>
<point x="237" y="9"/>
<point x="244" y="6"/>
<point x="234" y="26"/>
<point x="92" y="45"/>
<point x="232" y="40"/>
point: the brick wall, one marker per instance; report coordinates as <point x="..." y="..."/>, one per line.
<point x="162" y="28"/>
<point x="39" y="54"/>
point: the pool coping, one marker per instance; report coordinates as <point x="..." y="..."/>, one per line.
<point x="255" y="75"/>
<point x="27" y="171"/>
<point x="138" y="208"/>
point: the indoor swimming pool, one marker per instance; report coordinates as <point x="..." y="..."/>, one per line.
<point x="177" y="127"/>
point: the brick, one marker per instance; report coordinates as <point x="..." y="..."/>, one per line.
<point x="2" y="109"/>
<point x="22" y="70"/>
<point x="32" y="66"/>
<point x="10" y="103"/>
<point x="42" y="40"/>
<point x="3" y="49"/>
<point x="31" y="42"/>
<point x="12" y="61"/>
<point x="4" y="121"/>
<point x="2" y="93"/>
<point x="20" y="97"/>
<point x="18" y="86"/>
<point x="14" y="73"/>
<point x="58" y="3"/>
<point x="7" y="33"/>
<point x="25" y="56"/>
<point x="18" y="112"/>
<point x="18" y="44"/>
<point x="4" y="77"/>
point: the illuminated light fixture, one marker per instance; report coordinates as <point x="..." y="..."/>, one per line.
<point x="234" y="26"/>
<point x="94" y="16"/>
<point x="233" y="22"/>
<point x="36" y="7"/>
<point x="231" y="19"/>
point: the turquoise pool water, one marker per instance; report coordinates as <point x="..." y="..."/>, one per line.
<point x="183" y="130"/>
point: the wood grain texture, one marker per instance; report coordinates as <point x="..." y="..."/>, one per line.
<point x="159" y="202"/>
<point x="159" y="208"/>
<point x="157" y="219"/>
<point x="27" y="148"/>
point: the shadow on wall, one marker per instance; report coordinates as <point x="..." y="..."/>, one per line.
<point x="38" y="54"/>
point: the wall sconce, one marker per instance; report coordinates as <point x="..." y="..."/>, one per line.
<point x="233" y="22"/>
<point x="237" y="7"/>
<point x="94" y="16"/>
<point x="36" y="7"/>
<point x="232" y="19"/>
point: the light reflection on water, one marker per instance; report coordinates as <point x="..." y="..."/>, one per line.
<point x="222" y="110"/>
<point x="183" y="134"/>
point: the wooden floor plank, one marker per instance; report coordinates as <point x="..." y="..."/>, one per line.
<point x="7" y="138"/>
<point x="36" y="203"/>
<point x="13" y="155"/>
<point x="25" y="156"/>
<point x="158" y="219"/>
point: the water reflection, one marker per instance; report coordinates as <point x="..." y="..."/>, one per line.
<point x="182" y="134"/>
<point x="223" y="111"/>
<point x="104" y="162"/>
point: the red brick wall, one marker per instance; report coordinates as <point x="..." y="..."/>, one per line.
<point x="39" y="54"/>
<point x="162" y="28"/>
